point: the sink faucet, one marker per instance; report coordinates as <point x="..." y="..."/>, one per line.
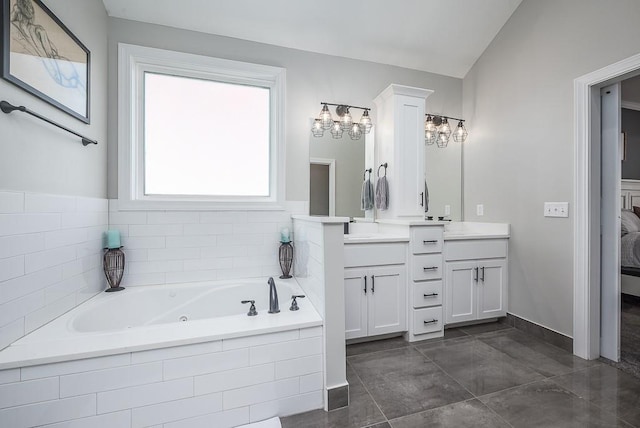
<point x="274" y="307"/>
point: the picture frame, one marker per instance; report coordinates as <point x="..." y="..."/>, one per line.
<point x="43" y="57"/>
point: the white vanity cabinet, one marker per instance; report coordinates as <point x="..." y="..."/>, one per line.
<point x="475" y="279"/>
<point x="375" y="288"/>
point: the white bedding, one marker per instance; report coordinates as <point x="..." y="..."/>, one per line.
<point x="630" y="250"/>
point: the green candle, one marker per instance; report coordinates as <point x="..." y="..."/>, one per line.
<point x="113" y="238"/>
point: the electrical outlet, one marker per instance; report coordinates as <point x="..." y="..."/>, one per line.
<point x="556" y="209"/>
<point x="479" y="210"/>
<point x="447" y="210"/>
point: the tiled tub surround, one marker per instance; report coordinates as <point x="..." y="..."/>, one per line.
<point x="50" y="258"/>
<point x="190" y="246"/>
<point x="220" y="383"/>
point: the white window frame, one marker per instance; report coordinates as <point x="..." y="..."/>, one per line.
<point x="133" y="62"/>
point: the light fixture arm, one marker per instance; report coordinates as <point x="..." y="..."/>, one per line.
<point x="443" y="116"/>
<point x="346" y="105"/>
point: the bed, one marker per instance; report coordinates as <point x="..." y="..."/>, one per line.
<point x="630" y="252"/>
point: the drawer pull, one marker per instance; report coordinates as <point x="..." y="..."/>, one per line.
<point x="433" y="321"/>
<point x="430" y="268"/>
<point x="431" y="241"/>
<point x="373" y="283"/>
<point x="475" y="274"/>
<point x="365" y="284"/>
<point x="482" y="277"/>
<point x="430" y="295"/>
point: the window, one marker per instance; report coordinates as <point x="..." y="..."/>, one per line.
<point x="198" y="132"/>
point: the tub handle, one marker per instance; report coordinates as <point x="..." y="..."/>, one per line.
<point x="252" y="310"/>
<point x="294" y="303"/>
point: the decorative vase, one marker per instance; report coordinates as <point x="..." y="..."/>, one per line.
<point x="113" y="266"/>
<point x="285" y="255"/>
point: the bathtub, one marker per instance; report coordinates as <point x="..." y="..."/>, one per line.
<point x="158" y="316"/>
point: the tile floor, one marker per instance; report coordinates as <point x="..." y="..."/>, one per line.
<point x="489" y="375"/>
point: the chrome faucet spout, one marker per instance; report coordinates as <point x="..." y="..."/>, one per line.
<point x="274" y="307"/>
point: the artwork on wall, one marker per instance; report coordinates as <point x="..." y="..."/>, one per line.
<point x="41" y="55"/>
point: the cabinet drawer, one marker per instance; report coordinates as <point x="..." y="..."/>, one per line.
<point x="427" y="266"/>
<point x="427" y="293"/>
<point x="374" y="254"/>
<point x="427" y="320"/>
<point x="426" y="240"/>
<point x="475" y="249"/>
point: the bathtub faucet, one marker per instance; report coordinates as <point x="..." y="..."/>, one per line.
<point x="274" y="307"/>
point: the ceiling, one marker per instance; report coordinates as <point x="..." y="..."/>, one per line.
<point x="439" y="36"/>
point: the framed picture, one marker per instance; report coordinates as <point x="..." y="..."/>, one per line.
<point x="41" y="55"/>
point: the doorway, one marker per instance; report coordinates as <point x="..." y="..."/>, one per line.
<point x="322" y="187"/>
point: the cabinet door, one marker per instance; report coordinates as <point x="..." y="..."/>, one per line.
<point x="387" y="300"/>
<point x="492" y="289"/>
<point x="355" y="302"/>
<point x="461" y="291"/>
<point x="409" y="128"/>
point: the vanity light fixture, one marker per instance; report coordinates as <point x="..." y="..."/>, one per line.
<point x="344" y="123"/>
<point x="438" y="131"/>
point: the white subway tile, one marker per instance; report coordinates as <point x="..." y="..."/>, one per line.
<point x="71" y="285"/>
<point x="273" y="271"/>
<point x="250" y="272"/>
<point x="44" y="259"/>
<point x="136" y="255"/>
<point x="144" y="395"/>
<point x="206" y="363"/>
<point x="48" y="313"/>
<point x="11" y="202"/>
<point x="262" y="339"/>
<point x="113" y="205"/>
<point x="176" y="410"/>
<point x="16" y="245"/>
<point x="108" y="420"/>
<point x="223" y="217"/>
<point x="41" y="203"/>
<point x="143" y="242"/>
<point x="155" y="229"/>
<point x="127" y="217"/>
<point x="89" y="291"/>
<point x="311" y="382"/>
<point x="287" y="406"/>
<point x="249" y="239"/>
<point x="269" y="217"/>
<point x="90" y="248"/>
<point x="71" y="367"/>
<point x="48" y="412"/>
<point x="176" y="352"/>
<point x="254" y="228"/>
<point x="208" y="229"/>
<point x="108" y="379"/>
<point x="191" y="241"/>
<point x="80" y="266"/>
<point x="143" y="279"/>
<point x="222" y="251"/>
<point x="18" y="308"/>
<point x="285" y="351"/>
<point x="11" y="332"/>
<point x="92" y="205"/>
<point x="226" y="419"/>
<point x="208" y="264"/>
<point x="16" y="224"/>
<point x="252" y="261"/>
<point x="260" y="393"/>
<point x="267" y="249"/>
<point x="64" y="237"/>
<point x="174" y="253"/>
<point x="173" y="217"/>
<point x="159" y="266"/>
<point x="232" y="379"/>
<point x="299" y="366"/>
<point x="21" y="286"/>
<point x="83" y="219"/>
<point x="9" y="376"/>
<point x="12" y="267"/>
<point x="35" y="391"/>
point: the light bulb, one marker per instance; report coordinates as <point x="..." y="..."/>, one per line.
<point x="317" y="129"/>
<point x="355" y="132"/>
<point x="336" y="130"/>
<point x="365" y="122"/>
<point x="346" y="121"/>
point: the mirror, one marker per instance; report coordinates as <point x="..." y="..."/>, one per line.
<point x="343" y="161"/>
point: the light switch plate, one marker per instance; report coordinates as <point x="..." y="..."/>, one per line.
<point x="480" y="210"/>
<point x="447" y="210"/>
<point x="556" y="209"/>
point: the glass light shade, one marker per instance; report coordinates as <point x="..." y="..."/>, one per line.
<point x="325" y="117"/>
<point x="460" y="134"/>
<point x="429" y="126"/>
<point x="430" y="137"/>
<point x="355" y="132"/>
<point x="317" y="129"/>
<point x="336" y="130"/>
<point x="443" y="139"/>
<point x="365" y="122"/>
<point x="346" y="121"/>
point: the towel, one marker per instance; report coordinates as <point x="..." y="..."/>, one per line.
<point x="382" y="193"/>
<point x="366" y="199"/>
<point x="426" y="197"/>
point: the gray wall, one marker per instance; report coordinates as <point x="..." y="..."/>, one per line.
<point x="311" y="78"/>
<point x="631" y="127"/>
<point x="36" y="157"/>
<point x="518" y="99"/>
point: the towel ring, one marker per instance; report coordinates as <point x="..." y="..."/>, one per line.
<point x="385" y="169"/>
<point x="364" y="175"/>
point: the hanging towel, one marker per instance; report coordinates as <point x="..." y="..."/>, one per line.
<point x="382" y="193"/>
<point x="426" y="197"/>
<point x="366" y="199"/>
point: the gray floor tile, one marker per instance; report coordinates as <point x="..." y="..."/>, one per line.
<point x="479" y="367"/>
<point x="382" y="425"/>
<point x="485" y="328"/>
<point x="403" y="381"/>
<point x="452" y="333"/>
<point x="542" y="357"/>
<point x="608" y="388"/>
<point x="545" y="404"/>
<point x="378" y="345"/>
<point x="470" y="413"/>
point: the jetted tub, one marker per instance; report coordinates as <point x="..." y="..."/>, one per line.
<point x="157" y="316"/>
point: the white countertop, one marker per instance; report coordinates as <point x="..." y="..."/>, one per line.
<point x="321" y="219"/>
<point x="453" y="230"/>
<point x="361" y="238"/>
<point x="412" y="222"/>
<point x="459" y="230"/>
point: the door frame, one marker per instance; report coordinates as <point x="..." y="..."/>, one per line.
<point x="586" y="242"/>
<point x="332" y="181"/>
